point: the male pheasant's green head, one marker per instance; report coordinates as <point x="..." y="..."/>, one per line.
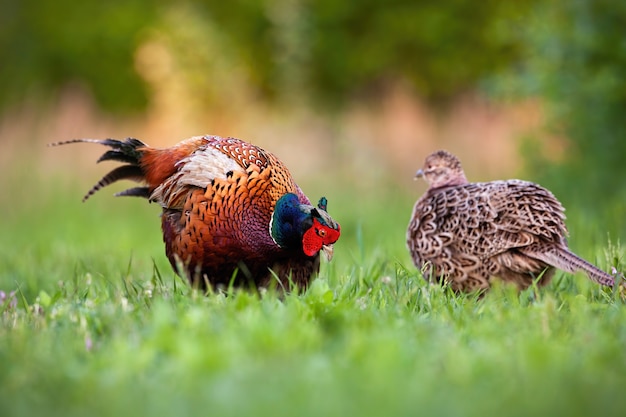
<point x="301" y="226"/>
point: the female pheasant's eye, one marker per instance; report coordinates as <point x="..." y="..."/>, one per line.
<point x="321" y="232"/>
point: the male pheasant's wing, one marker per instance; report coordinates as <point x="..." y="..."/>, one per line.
<point x="197" y="168"/>
<point x="208" y="160"/>
<point x="251" y="157"/>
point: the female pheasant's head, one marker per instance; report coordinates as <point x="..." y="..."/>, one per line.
<point x="301" y="226"/>
<point x="442" y="169"/>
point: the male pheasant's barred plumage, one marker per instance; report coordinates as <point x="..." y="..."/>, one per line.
<point x="466" y="233"/>
<point x="231" y="210"/>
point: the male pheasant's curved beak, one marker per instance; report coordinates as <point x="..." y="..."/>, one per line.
<point x="419" y="174"/>
<point x="328" y="250"/>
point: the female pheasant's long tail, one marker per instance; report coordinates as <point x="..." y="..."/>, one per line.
<point x="564" y="259"/>
<point x="128" y="151"/>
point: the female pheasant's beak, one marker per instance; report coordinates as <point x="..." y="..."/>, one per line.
<point x="419" y="174"/>
<point x="328" y="250"/>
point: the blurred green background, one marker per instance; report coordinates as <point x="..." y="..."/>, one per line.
<point x="533" y="88"/>
<point x="351" y="95"/>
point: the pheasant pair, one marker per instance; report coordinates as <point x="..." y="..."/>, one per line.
<point x="232" y="213"/>
<point x="466" y="233"/>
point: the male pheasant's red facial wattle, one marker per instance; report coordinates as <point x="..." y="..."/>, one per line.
<point x="319" y="237"/>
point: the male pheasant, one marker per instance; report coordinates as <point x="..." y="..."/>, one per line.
<point x="232" y="213"/>
<point x="466" y="233"/>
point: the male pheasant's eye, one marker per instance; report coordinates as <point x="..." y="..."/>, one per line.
<point x="321" y="232"/>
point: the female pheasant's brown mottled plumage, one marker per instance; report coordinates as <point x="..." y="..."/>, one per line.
<point x="465" y="233"/>
<point x="231" y="210"/>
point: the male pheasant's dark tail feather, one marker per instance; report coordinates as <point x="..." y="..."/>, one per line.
<point x="567" y="261"/>
<point x="127" y="151"/>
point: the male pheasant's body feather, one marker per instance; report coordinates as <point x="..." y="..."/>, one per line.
<point x="466" y="233"/>
<point x="218" y="197"/>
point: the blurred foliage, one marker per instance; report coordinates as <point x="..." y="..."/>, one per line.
<point x="317" y="49"/>
<point x="336" y="49"/>
<point x="571" y="53"/>
<point x="575" y="58"/>
<point x="46" y="44"/>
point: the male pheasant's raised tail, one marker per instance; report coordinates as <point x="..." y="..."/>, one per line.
<point x="128" y="151"/>
<point x="567" y="261"/>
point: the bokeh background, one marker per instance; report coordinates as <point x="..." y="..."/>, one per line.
<point x="351" y="94"/>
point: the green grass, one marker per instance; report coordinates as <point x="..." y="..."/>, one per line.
<point x="100" y="325"/>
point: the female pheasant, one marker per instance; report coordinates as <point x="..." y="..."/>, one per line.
<point x="232" y="213"/>
<point x="465" y="233"/>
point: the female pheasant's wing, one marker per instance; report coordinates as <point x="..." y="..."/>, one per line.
<point x="523" y="213"/>
<point x="469" y="223"/>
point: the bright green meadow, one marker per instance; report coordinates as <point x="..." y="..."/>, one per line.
<point x="94" y="322"/>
